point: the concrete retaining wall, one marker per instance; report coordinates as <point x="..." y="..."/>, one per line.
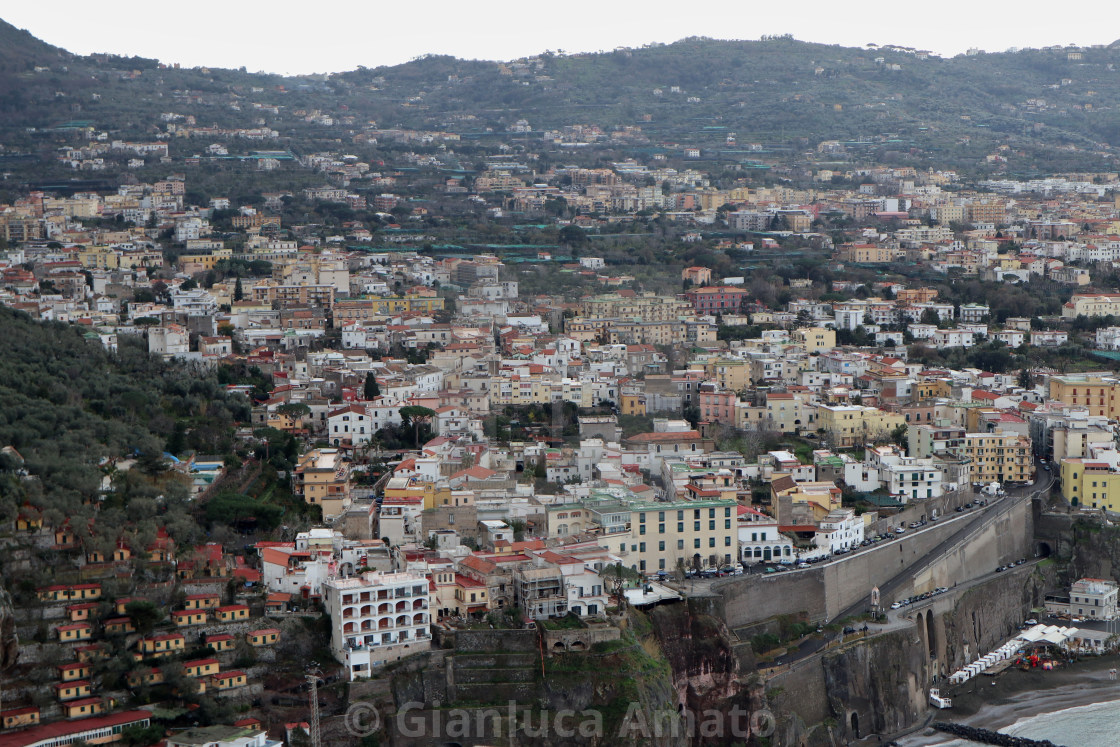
<point x="827" y="591"/>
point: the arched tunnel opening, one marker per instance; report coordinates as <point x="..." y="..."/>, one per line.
<point x="1042" y="550"/>
<point x="855" y="724"/>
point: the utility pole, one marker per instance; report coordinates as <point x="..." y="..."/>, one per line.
<point x="315" y="736"/>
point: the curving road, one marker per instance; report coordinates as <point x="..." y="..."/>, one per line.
<point x="978" y="521"/>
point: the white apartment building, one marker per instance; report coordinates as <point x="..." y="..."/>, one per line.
<point x="840" y="530"/>
<point x="1090" y="598"/>
<point x="911" y="478"/>
<point x="195" y="302"/>
<point x="377" y="618"/>
<point x="350" y="425"/>
<point x="759" y="539"/>
<point x="169" y="340"/>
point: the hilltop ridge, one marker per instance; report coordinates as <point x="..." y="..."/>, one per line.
<point x="1052" y="104"/>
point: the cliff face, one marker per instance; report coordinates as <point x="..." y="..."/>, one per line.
<point x="1094" y="551"/>
<point x="879" y="686"/>
<point x="9" y="642"/>
<point x="987" y="615"/>
<point x="705" y="671"/>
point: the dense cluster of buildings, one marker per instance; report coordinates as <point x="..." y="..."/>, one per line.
<point x="691" y="449"/>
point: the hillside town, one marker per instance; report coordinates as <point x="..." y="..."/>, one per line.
<point x="592" y="372"/>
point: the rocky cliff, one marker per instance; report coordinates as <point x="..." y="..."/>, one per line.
<point x="879" y="685"/>
<point x="9" y="642"/>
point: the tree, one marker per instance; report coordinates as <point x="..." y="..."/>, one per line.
<point x="144" y="615"/>
<point x="929" y="316"/>
<point x="415" y="415"/>
<point x="372" y="390"/>
<point x="238" y="291"/>
<point x="898" y="434"/>
<point x="617" y="575"/>
<point x="572" y="235"/>
<point x="294" y="410"/>
<point x="1026" y="379"/>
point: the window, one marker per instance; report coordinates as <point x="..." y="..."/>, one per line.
<point x="711" y="542"/>
<point x="696" y="526"/>
<point x="641" y="547"/>
<point x="680" y="544"/>
<point x="661" y="529"/>
<point x="680" y="526"/>
<point x="661" y="546"/>
<point x="696" y="543"/>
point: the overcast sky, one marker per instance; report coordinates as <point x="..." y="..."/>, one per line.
<point x="285" y="36"/>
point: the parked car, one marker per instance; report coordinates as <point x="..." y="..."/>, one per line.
<point x="1031" y="621"/>
<point x="896" y="606"/>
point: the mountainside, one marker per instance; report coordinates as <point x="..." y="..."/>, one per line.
<point x="776" y="95"/>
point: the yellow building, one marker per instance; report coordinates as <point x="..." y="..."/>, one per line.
<point x="99" y="258"/>
<point x="71" y="690"/>
<point x="867" y="253"/>
<point x="77" y="670"/>
<point x="70" y="593"/>
<point x="1089" y="483"/>
<point x="645" y="307"/>
<point x="75" y="632"/>
<point x="815" y="339"/>
<point x="1101" y="394"/>
<point x="998" y="457"/>
<point x="847" y="426"/>
<point x="183" y="618"/>
<point x="232" y="613"/>
<point x="85" y="707"/>
<point x="15" y="718"/>
<point x="194" y="263"/>
<point x="162" y="645"/>
<point x="733" y="374"/>
<point x="201" y="667"/>
<point x="691" y="532"/>
<point x="411" y="488"/>
<point x="823" y="497"/>
<point x="633" y="403"/>
<point x="202" y="601"/>
<point x="1092" y="304"/>
<point x="229" y="680"/>
<point x="263" y="637"/>
<point x="322" y="478"/>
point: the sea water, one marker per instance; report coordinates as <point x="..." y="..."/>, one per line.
<point x="1096" y="725"/>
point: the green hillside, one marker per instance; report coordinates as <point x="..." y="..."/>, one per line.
<point x="1054" y="107"/>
